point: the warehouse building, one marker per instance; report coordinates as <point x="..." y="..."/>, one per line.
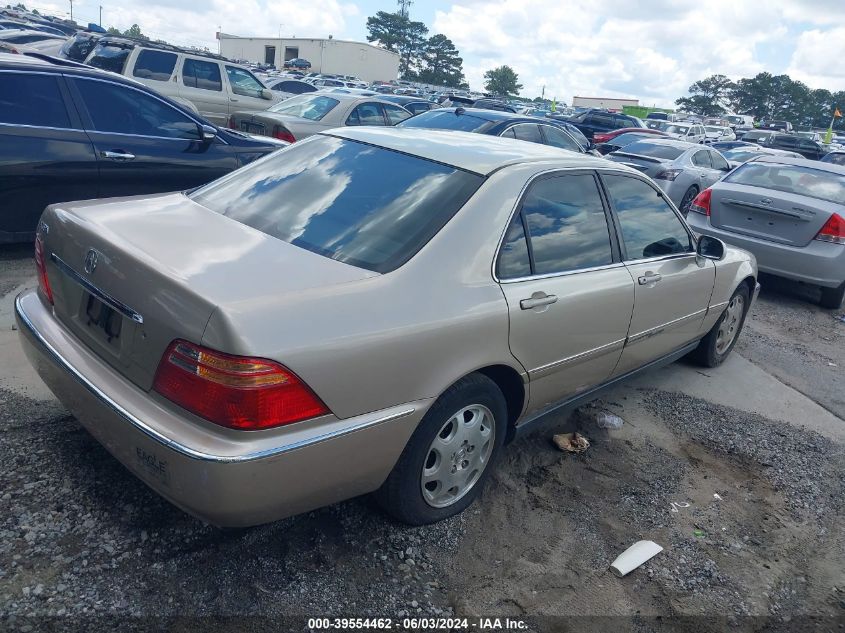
<point x="604" y="103"/>
<point x="338" y="57"/>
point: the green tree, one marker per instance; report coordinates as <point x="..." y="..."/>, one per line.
<point x="135" y="31"/>
<point x="113" y="31"/>
<point x="708" y="97"/>
<point x="502" y="81"/>
<point x="443" y="64"/>
<point x="397" y="33"/>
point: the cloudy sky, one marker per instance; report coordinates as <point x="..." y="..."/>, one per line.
<point x="651" y="50"/>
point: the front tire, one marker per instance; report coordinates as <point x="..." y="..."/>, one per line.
<point x="450" y="455"/>
<point x="720" y="340"/>
<point x="832" y="298"/>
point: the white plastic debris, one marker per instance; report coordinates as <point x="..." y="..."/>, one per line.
<point x="634" y="556"/>
<point x="716" y="496"/>
<point x="605" y="420"/>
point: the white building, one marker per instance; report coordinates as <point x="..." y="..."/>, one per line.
<point x="604" y="103"/>
<point x="338" y="57"/>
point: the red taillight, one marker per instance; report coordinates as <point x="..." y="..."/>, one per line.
<point x="41" y="265"/>
<point x="601" y="138"/>
<point x="232" y="122"/>
<point x="283" y="134"/>
<point x="701" y="203"/>
<point x="833" y="230"/>
<point x="234" y="391"/>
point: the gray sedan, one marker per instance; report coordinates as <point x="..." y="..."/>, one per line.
<point x="787" y="212"/>
<point x="299" y="117"/>
<point x="681" y="169"/>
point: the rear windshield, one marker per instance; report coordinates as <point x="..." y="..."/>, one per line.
<point x="645" y="148"/>
<point x="803" y="181"/>
<point x="111" y="58"/>
<point x="447" y="120"/>
<point x="627" y="138"/>
<point x="306" y="106"/>
<point x="329" y="196"/>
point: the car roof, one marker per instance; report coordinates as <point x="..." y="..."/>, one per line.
<point x="478" y="153"/>
<point x="673" y="143"/>
<point x="803" y="162"/>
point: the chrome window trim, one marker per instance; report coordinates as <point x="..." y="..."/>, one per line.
<point x="42" y="127"/>
<point x="110" y="301"/>
<point x="171" y="444"/>
<point x="563" y="274"/>
<point x="528" y="183"/>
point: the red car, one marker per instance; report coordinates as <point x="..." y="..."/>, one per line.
<point x="604" y="137"/>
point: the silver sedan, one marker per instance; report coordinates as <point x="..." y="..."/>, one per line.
<point x="681" y="169"/>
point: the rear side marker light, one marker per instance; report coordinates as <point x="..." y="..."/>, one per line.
<point x="237" y="392"/>
<point x="701" y="203"/>
<point x="833" y="230"/>
<point x="41" y="266"/>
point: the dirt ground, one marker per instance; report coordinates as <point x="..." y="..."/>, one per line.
<point x="744" y="495"/>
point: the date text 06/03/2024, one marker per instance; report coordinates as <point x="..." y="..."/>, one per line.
<point x="416" y="624"/>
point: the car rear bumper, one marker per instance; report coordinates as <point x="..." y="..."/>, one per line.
<point x="227" y="478"/>
<point x="819" y="263"/>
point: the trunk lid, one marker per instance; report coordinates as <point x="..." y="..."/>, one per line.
<point x="768" y="214"/>
<point x="161" y="265"/>
<point x="646" y="164"/>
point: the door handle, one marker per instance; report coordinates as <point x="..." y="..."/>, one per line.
<point x="649" y="278"/>
<point x="112" y="155"/>
<point x="233" y="100"/>
<point x="538" y="299"/>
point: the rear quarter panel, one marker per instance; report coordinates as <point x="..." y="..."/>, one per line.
<point x="402" y="336"/>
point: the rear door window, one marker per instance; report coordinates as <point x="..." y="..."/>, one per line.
<point x="155" y="65"/>
<point x="649" y="226"/>
<point x="528" y="132"/>
<point x="558" y="138"/>
<point x="32" y="100"/>
<point x="366" y="114"/>
<point x="201" y="74"/>
<point x="702" y="159"/>
<point x="363" y="218"/>
<point x="567" y="226"/>
<point x="718" y="161"/>
<point x="395" y="114"/>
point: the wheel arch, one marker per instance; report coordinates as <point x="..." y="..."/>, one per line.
<point x="513" y="387"/>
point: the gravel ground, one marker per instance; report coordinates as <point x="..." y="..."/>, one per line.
<point x="749" y="512"/>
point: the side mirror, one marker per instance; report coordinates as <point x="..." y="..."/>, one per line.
<point x="710" y="248"/>
<point x="208" y="132"/>
<point x="267" y="94"/>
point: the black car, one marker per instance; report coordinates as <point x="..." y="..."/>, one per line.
<point x="592" y="121"/>
<point x="297" y="62"/>
<point x="493" y="104"/>
<point x="496" y="123"/>
<point x="414" y="105"/>
<point x="791" y="143"/>
<point x="71" y="132"/>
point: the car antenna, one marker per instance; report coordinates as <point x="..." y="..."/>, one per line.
<point x="459" y="111"/>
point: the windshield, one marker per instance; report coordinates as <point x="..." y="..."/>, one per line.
<point x="447" y="120"/>
<point x="654" y="150"/>
<point x="803" y="181"/>
<point x="675" y="129"/>
<point x="734" y="119"/>
<point x="714" y="129"/>
<point x="311" y="107"/>
<point x="329" y="196"/>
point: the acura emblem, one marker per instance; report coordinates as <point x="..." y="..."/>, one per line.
<point x="91" y="261"/>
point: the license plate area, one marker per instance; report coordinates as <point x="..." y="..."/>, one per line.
<point x="252" y="128"/>
<point x="102" y="319"/>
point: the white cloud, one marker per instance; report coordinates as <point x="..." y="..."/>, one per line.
<point x="651" y="51"/>
<point x="817" y="60"/>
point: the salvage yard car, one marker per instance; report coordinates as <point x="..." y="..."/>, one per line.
<point x="370" y="309"/>
<point x="788" y="212"/>
<point x="299" y="117"/>
<point x="71" y="132"/>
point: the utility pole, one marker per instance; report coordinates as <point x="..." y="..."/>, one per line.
<point x="405" y="7"/>
<point x="101" y="16"/>
<point x="71" y="10"/>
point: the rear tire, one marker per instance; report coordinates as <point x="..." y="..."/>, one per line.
<point x="686" y="201"/>
<point x="832" y="298"/>
<point x="720" y="340"/>
<point x="450" y="455"/>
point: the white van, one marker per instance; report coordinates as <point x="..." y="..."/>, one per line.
<point x="213" y="85"/>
